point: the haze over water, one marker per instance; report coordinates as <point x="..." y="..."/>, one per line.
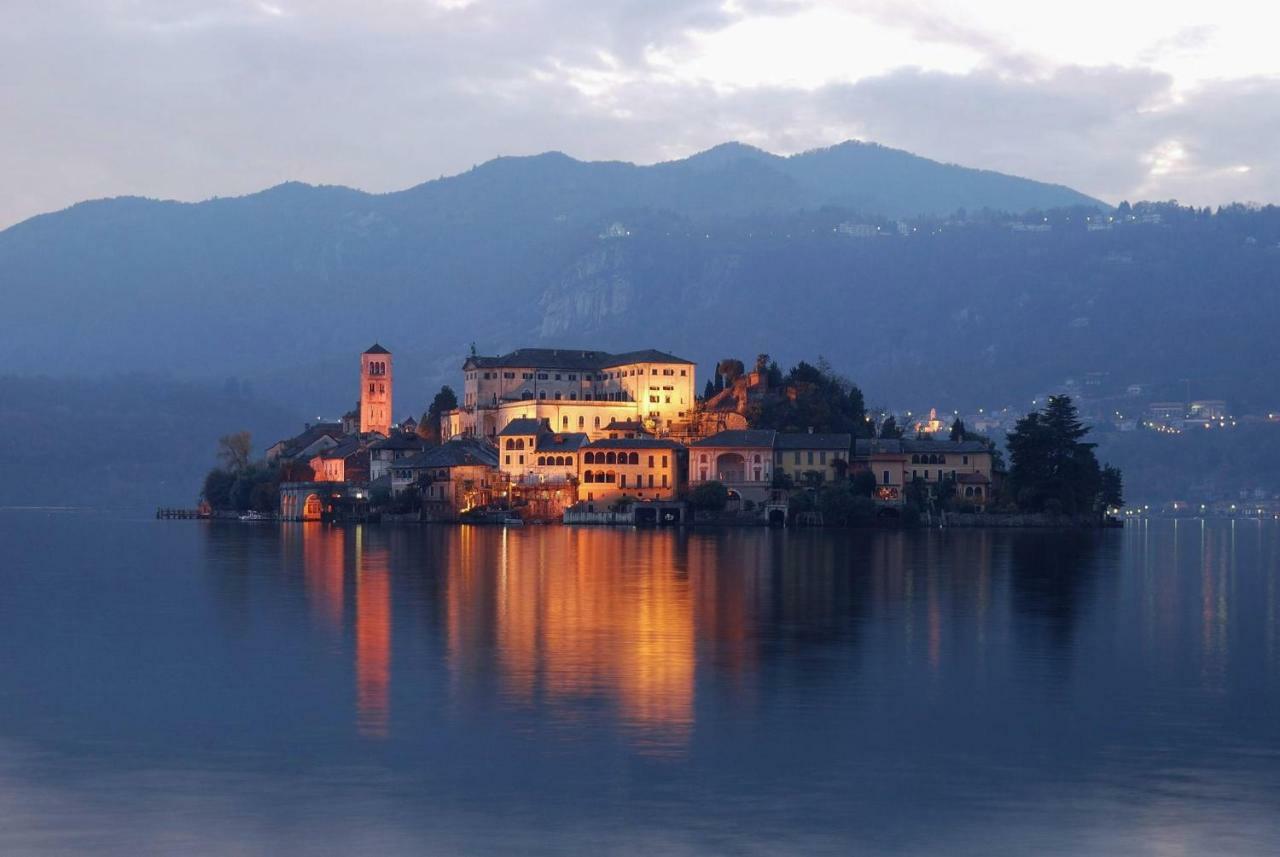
<point x="195" y="687"/>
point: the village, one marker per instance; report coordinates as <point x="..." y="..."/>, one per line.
<point x="578" y="436"/>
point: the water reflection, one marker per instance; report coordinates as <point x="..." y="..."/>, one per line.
<point x="616" y="691"/>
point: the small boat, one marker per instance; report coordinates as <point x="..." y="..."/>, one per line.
<point x="254" y="516"/>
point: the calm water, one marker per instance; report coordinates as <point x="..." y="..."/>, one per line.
<point x="191" y="688"/>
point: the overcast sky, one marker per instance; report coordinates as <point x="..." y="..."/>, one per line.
<point x="188" y="99"/>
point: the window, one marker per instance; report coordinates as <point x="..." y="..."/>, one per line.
<point x="682" y="373"/>
<point x="964" y="459"/>
<point x="622" y="482"/>
<point x="582" y="422"/>
<point x="650" y="480"/>
<point x="597" y="422"/>
<point x="507" y="459"/>
<point x="822" y="458"/>
<point x="526" y="375"/>
<point x="564" y="421"/>
<point x="521" y="459"/>
<point x="588" y="477"/>
<point x="777" y="457"/>
<point x="589" y="458"/>
<point x="668" y="371"/>
<point x="653" y="371"/>
<point x="633" y="458"/>
<point x="664" y="464"/>
<point x="508" y="374"/>
<point x="557" y="395"/>
<point x="573" y="397"/>
<point x="542" y="376"/>
<point x="572" y="377"/>
<point x="809" y="460"/>
<point x="886" y="478"/>
<point x="651" y="461"/>
<point x="653" y="399"/>
<point x="557" y="376"/>
<point x="542" y="394"/>
<point x="664" y="479"/>
<point x="542" y="461"/>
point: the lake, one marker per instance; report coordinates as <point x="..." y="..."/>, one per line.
<point x="224" y="688"/>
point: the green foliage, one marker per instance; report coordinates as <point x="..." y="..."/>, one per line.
<point x="1053" y="469"/>
<point x="841" y="505"/>
<point x="889" y="428"/>
<point x="709" y="497"/>
<point x="813" y="397"/>
<point x="709" y="391"/>
<point x="1112" y="488"/>
<point x="863" y="483"/>
<point x="217" y="488"/>
<point x="429" y="426"/>
<point x="782" y="480"/>
<point x="730" y="370"/>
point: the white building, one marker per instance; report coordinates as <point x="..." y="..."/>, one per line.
<point x="573" y="390"/>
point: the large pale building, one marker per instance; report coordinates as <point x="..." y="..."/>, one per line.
<point x="375" y="391"/>
<point x="574" y="390"/>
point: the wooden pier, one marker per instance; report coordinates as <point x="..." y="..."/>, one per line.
<point x="179" y="514"/>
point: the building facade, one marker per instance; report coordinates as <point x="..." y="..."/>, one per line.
<point x="808" y="457"/>
<point x="573" y="390"/>
<point x="375" y="391"/>
<point x="643" y="468"/>
<point x="740" y="459"/>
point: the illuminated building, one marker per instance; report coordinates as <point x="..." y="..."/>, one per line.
<point x="573" y="390"/>
<point x="375" y="391"/>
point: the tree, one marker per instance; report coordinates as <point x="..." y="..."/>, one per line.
<point x="709" y="496"/>
<point x="731" y="370"/>
<point x="429" y="428"/>
<point x="1052" y="467"/>
<point x="957" y="430"/>
<point x="709" y="391"/>
<point x="889" y="428"/>
<point x="234" y="451"/>
<point x="1112" y="488"/>
<point x="217" y="488"/>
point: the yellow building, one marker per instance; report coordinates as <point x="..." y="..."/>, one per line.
<point x="897" y="463"/>
<point x="798" y="455"/>
<point x="645" y="468"/>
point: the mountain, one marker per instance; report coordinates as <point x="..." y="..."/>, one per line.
<point x="731" y="251"/>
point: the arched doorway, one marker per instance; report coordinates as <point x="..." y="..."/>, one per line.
<point x="313" y="508"/>
<point x="730" y="467"/>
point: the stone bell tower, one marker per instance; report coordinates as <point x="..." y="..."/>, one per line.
<point x="375" y="391"/>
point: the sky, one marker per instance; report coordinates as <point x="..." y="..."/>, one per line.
<point x="190" y="99"/>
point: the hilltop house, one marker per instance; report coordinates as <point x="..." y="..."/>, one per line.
<point x="573" y="390"/>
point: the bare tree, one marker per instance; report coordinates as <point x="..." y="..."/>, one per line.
<point x="234" y="450"/>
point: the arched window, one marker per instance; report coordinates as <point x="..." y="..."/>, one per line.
<point x="582" y="422"/>
<point x="597" y="422"/>
<point x="942" y="459"/>
<point x="526" y="395"/>
<point x="588" y="477"/>
<point x="757" y="458"/>
<point x="968" y="490"/>
<point x="542" y="461"/>
<point x="610" y="458"/>
<point x="519" y="443"/>
<point x="589" y="458"/>
<point x="573" y="397"/>
<point x="542" y="394"/>
<point x="564" y="422"/>
<point x="611" y="477"/>
<point x="633" y="458"/>
<point x="558" y="395"/>
<point x="915" y="459"/>
<point x="704" y="458"/>
<point x="511" y="444"/>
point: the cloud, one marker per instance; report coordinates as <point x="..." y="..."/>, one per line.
<point x="188" y="99"/>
